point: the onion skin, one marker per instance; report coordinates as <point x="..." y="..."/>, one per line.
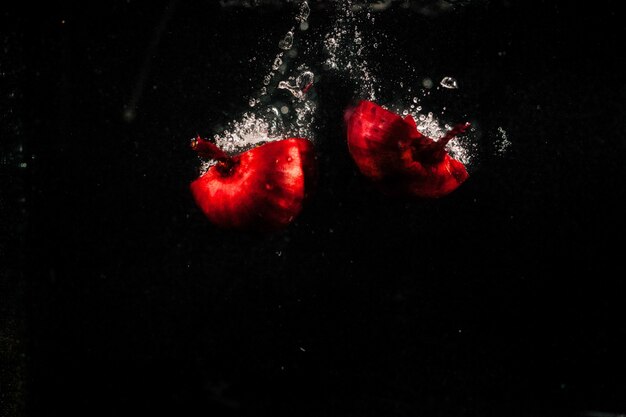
<point x="401" y="161"/>
<point x="262" y="189"/>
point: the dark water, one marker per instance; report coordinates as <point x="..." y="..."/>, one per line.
<point x="119" y="298"/>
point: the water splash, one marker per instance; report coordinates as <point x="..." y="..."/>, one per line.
<point x="354" y="41"/>
<point x="285" y="104"/>
<point x="271" y="115"/>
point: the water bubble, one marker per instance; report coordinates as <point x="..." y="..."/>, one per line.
<point x="305" y="11"/>
<point x="449" y="82"/>
<point x="284" y="109"/>
<point x="284" y="85"/>
<point x="287" y="42"/>
<point x="273" y="110"/>
<point x="267" y="79"/>
<point x="427" y="83"/>
<point x="303" y="83"/>
<point x="252" y="102"/>
<point x="331" y="44"/>
<point x="277" y="63"/>
<point x="415" y="100"/>
<point x="305" y="80"/>
<point x="275" y="127"/>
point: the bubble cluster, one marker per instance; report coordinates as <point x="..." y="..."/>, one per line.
<point x="304" y="13"/>
<point x="502" y="142"/>
<point x="345" y="50"/>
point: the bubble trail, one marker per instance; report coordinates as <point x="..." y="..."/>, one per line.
<point x="130" y="109"/>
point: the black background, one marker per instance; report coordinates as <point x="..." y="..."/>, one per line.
<point x="505" y="298"/>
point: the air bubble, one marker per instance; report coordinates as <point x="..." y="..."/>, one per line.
<point x="305" y="80"/>
<point x="287" y="42"/>
<point x="449" y="82"/>
<point x="284" y="85"/>
<point x="305" y="11"/>
<point x="303" y="83"/>
<point x="277" y="63"/>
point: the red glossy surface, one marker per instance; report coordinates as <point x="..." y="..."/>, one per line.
<point x="260" y="189"/>
<point x="397" y="157"/>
